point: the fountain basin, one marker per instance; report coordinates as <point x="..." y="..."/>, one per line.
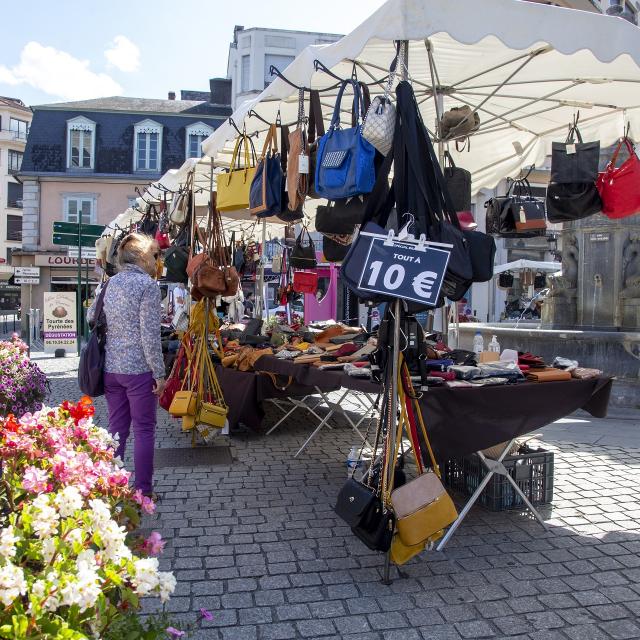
<point x="616" y="353"/>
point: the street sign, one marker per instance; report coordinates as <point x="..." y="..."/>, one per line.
<point x="411" y="270"/>
<point x="68" y="240"/>
<point x="88" y="253"/>
<point x="26" y="280"/>
<point x="27" y="272"/>
<point x="72" y="228"/>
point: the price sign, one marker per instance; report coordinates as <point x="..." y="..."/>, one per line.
<point x="409" y="270"/>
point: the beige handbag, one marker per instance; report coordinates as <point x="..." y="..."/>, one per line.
<point x="297" y="181"/>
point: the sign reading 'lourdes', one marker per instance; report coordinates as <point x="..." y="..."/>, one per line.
<point x="402" y="267"/>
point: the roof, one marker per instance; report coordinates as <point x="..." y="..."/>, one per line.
<point x="120" y="103"/>
<point x="14" y="103"/>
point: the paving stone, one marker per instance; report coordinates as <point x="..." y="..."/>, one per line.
<point x="257" y="543"/>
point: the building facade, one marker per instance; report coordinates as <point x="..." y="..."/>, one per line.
<point x="253" y="51"/>
<point x="84" y="161"/>
<point x="15" y="119"/>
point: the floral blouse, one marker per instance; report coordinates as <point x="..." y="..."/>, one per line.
<point x="132" y="306"/>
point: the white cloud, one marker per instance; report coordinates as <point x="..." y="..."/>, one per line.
<point x="59" y="74"/>
<point x="123" y="54"/>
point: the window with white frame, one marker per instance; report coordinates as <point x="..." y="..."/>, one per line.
<point x="245" y="73"/>
<point x="147" y="146"/>
<point x="79" y="208"/>
<point x="197" y="133"/>
<point x="81" y="143"/>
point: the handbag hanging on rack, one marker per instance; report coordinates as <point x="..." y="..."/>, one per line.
<point x="233" y="187"/>
<point x="315" y="131"/>
<point x="574" y="162"/>
<point x="305" y="282"/>
<point x="380" y="121"/>
<point x="303" y="256"/>
<point x="265" y="194"/>
<point x="619" y="187"/>
<point x="458" y="183"/>
<point x="297" y="175"/>
<point x="345" y="161"/>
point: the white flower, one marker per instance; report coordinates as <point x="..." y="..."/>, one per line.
<point x="45" y="517"/>
<point x="145" y="577"/>
<point x="87" y="560"/>
<point x="87" y="587"/>
<point x="68" y="501"/>
<point x="100" y="513"/>
<point x="75" y="536"/>
<point x="8" y="542"/>
<point x="167" y="584"/>
<point x="48" y="549"/>
<point x="12" y="583"/>
<point x="113" y="539"/>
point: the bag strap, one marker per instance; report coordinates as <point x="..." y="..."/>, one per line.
<point x="316" y="122"/>
<point x="99" y="306"/>
<point x="630" y="149"/>
<point x="335" y="120"/>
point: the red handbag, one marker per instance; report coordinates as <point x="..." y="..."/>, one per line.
<point x="619" y="187"/>
<point x="305" y="281"/>
<point x="163" y="240"/>
<point x="174" y="382"/>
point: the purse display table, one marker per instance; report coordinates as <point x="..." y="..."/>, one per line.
<point x="459" y="420"/>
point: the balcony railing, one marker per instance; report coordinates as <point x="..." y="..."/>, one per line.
<point x="12" y="135"/>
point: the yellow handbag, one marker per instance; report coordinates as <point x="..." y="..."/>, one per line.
<point x="233" y="187"/>
<point x="212" y="414"/>
<point x="422" y="506"/>
<point x="183" y="404"/>
<point x="188" y="422"/>
<point x="402" y="553"/>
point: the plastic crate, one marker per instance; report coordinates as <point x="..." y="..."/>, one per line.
<point x="532" y="469"/>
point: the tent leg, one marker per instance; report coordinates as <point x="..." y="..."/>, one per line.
<point x="261" y="295"/>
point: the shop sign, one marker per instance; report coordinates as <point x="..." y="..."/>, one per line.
<point x="60" y="260"/>
<point x="26" y="280"/>
<point x="59" y="327"/>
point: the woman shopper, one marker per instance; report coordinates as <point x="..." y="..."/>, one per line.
<point x="134" y="367"/>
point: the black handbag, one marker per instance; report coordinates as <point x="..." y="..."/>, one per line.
<point x="458" y="182"/>
<point x="482" y="250"/>
<point x="376" y="527"/>
<point x="507" y="216"/>
<point x="91" y="366"/>
<point x="574" y="162"/>
<point x="334" y="250"/>
<point x="303" y="256"/>
<point x="175" y="262"/>
<point x="568" y="202"/>
<point x="341" y="216"/>
<point x="505" y="280"/>
<point x="354" y="501"/>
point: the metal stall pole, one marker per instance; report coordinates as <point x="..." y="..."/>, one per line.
<point x="393" y="414"/>
<point x="260" y="305"/>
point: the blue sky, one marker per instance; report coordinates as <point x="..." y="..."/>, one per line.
<point x="70" y="50"/>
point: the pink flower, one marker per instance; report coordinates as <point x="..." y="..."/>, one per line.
<point x="146" y="504"/>
<point x="206" y="615"/>
<point x="35" y="480"/>
<point x="154" y="544"/>
<point x="175" y="633"/>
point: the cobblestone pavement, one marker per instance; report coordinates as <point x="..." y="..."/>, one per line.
<point x="258" y="544"/>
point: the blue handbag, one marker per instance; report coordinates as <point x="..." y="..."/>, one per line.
<point x="265" y="194"/>
<point x="344" y="165"/>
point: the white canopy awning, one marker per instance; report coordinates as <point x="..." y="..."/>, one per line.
<point x="526" y="69"/>
<point x="534" y="265"/>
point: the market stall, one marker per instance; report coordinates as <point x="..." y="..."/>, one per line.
<point x="485" y="97"/>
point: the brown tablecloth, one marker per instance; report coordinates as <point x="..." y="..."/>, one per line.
<point x="459" y="420"/>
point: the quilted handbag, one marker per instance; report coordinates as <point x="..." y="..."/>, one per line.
<point x="619" y="187"/>
<point x="380" y="121"/>
<point x="305" y="281"/>
<point x="265" y="194"/>
<point x="345" y="161"/>
<point x="303" y="256"/>
<point x="233" y="187"/>
<point x="574" y="162"/>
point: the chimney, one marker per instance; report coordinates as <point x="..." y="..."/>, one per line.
<point x="172" y="95"/>
<point x="220" y="91"/>
<point x="236" y="29"/>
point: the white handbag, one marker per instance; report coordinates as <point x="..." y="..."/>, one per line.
<point x="380" y="121"/>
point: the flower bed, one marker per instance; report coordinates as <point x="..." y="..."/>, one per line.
<point x="22" y="383"/>
<point x="70" y="566"/>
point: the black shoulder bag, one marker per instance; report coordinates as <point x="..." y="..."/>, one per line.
<point x="91" y="366"/>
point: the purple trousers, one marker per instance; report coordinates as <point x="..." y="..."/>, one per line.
<point x="131" y="401"/>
